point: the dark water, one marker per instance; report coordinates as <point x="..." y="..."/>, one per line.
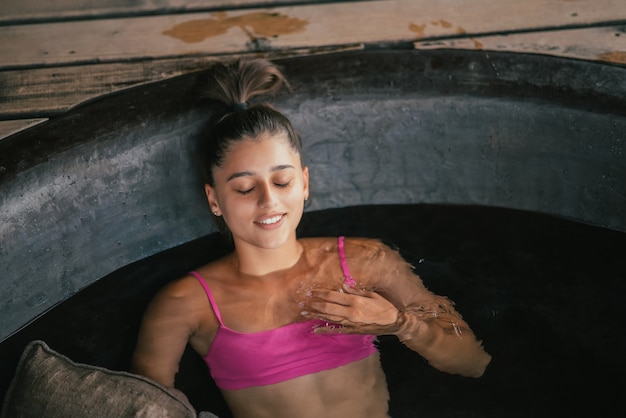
<point x="547" y="296"/>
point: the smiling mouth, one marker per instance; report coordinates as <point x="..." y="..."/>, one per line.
<point x="272" y="220"/>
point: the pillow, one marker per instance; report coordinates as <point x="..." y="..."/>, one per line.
<point x="49" y="385"/>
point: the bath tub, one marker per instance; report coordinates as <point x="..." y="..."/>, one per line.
<point x="88" y="198"/>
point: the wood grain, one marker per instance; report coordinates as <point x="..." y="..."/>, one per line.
<point x="37" y="10"/>
<point x="56" y="55"/>
<point x="9" y="127"/>
<point x="45" y="92"/>
<point x="604" y="44"/>
<point x="284" y="28"/>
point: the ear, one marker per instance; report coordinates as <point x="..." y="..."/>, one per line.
<point x="305" y="181"/>
<point x="212" y="199"/>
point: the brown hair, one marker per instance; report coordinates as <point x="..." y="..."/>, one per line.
<point x="234" y="84"/>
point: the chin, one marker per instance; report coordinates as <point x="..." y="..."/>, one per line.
<point x="275" y="241"/>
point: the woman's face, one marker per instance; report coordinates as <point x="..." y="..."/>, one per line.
<point x="260" y="191"/>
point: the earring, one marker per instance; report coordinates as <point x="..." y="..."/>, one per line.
<point x="216" y="213"/>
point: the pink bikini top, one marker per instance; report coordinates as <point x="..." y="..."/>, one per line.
<point x="239" y="360"/>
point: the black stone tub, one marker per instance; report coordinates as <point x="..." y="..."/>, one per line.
<point x="501" y="177"/>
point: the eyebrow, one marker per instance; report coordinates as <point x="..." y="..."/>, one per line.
<point x="251" y="173"/>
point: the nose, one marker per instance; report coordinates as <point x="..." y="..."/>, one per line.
<point x="267" y="196"/>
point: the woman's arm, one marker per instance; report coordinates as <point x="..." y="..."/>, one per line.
<point x="167" y="325"/>
<point x="390" y="298"/>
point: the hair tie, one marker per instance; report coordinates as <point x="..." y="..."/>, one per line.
<point x="240" y="106"/>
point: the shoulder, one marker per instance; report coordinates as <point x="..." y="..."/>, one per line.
<point x="369" y="248"/>
<point x="214" y="274"/>
<point x="375" y="263"/>
<point x="354" y="247"/>
<point x="181" y="289"/>
<point x="177" y="298"/>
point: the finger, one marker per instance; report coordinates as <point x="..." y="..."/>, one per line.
<point x="356" y="291"/>
<point x="343" y="328"/>
<point x="331" y="296"/>
<point x="348" y="297"/>
<point x="330" y="322"/>
<point x="329" y="329"/>
<point x="328" y="309"/>
<point x="336" y="320"/>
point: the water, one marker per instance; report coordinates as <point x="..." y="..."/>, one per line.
<point x="546" y="295"/>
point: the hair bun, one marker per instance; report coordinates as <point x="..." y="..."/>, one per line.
<point x="235" y="83"/>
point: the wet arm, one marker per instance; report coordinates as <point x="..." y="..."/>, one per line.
<point x="442" y="337"/>
<point x="390" y="299"/>
<point x="427" y="323"/>
<point x="166" y="328"/>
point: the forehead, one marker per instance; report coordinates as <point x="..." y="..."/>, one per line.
<point x="264" y="150"/>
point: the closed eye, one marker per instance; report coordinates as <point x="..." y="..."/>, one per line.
<point x="280" y="185"/>
<point x="245" y="192"/>
<point x="283" y="185"/>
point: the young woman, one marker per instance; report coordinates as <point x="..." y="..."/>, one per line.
<point x="286" y="325"/>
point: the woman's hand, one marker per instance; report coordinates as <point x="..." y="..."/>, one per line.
<point x="357" y="311"/>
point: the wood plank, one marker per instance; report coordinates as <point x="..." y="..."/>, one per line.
<point x="36" y="10"/>
<point x="603" y="44"/>
<point x="10" y="127"/>
<point x="50" y="91"/>
<point x="283" y="28"/>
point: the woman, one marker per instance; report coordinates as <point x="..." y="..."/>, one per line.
<point x="287" y="325"/>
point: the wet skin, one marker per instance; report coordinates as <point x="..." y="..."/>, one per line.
<point x="272" y="279"/>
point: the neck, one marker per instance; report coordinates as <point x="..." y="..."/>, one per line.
<point x="257" y="261"/>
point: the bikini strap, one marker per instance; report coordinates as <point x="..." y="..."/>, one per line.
<point x="348" y="279"/>
<point x="209" y="295"/>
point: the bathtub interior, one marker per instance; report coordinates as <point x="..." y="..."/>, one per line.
<point x="92" y="198"/>
<point x="543" y="293"/>
<point x="115" y="181"/>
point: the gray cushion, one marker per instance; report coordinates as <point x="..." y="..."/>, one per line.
<point x="49" y="385"/>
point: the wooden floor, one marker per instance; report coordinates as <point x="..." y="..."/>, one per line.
<point x="57" y="54"/>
